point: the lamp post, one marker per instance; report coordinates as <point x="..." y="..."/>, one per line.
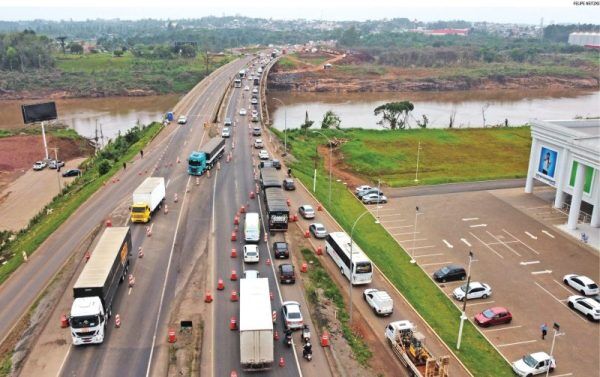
<point x="556" y="327"/>
<point x="57" y="168"/>
<point x="330" y="159"/>
<point x="463" y="316"/>
<point x="284" y="125"/>
<point x="412" y="251"/>
<point x="418" y="156"/>
<point x="351" y="264"/>
<point x="378" y="198"/>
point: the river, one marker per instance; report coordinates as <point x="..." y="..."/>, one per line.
<point x="356" y="109"/>
<point x="109" y="115"/>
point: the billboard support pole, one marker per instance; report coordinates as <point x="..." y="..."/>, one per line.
<point x="44" y="137"/>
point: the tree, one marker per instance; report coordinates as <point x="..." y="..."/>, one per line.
<point x="395" y="114"/>
<point x="307" y="123"/>
<point x="118" y="53"/>
<point x="424" y="122"/>
<point x="103" y="167"/>
<point x="75" y="48"/>
<point x="350" y="37"/>
<point x="330" y="120"/>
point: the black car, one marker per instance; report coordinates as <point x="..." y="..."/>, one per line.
<point x="286" y="273"/>
<point x="72" y="173"/>
<point x="281" y="250"/>
<point x="276" y="164"/>
<point x="288" y="184"/>
<point x="450" y="273"/>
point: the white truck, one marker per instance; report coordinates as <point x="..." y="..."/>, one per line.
<point x="96" y="287"/>
<point x="147" y="197"/>
<point x="256" y="325"/>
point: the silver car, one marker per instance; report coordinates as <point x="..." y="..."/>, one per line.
<point x="318" y="230"/>
<point x="374" y="198"/>
<point x="291" y="315"/>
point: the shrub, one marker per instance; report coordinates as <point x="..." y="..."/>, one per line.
<point x="103" y="167"/>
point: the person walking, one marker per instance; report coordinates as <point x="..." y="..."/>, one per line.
<point x="141" y="153"/>
<point x="124" y="166"/>
<point x="544" y="329"/>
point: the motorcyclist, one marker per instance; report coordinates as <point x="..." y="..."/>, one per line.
<point x="307" y="349"/>
<point x="288" y="336"/>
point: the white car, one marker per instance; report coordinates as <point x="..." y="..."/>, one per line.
<point x="362" y="188"/>
<point x="306" y="211"/>
<point x="318" y="230"/>
<point x="251" y="254"/>
<point x="258" y="143"/>
<point x="379" y="301"/>
<point x="251" y="274"/>
<point x="586" y="305"/>
<point x="582" y="284"/>
<point x="226" y="132"/>
<point x="476" y="290"/>
<point x="254" y="101"/>
<point x="39" y="165"/>
<point x="255" y="90"/>
<point x="535" y="363"/>
<point x="374" y="199"/>
<point x="292" y="316"/>
<point x="263" y="154"/>
<point x="243" y="111"/>
<point x="182" y="119"/>
<point x="246" y="87"/>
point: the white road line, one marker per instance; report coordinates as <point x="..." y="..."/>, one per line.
<point x="486" y="245"/>
<point x="129" y="292"/>
<point x="503" y="243"/>
<point x="420" y="247"/>
<point x="427" y="255"/>
<point x="481" y="303"/>
<point x="516" y="343"/>
<point x="478" y="226"/>
<point x="401" y="234"/>
<point x="395" y="214"/>
<point x="531" y="235"/>
<point x="529" y="262"/>
<point x="522" y="243"/>
<point x="415" y="240"/>
<point x="564" y="375"/>
<point x="541" y="272"/>
<point x="464" y="240"/>
<point x="62" y="365"/>
<point x="548" y="233"/>
<point x="546" y="207"/>
<point x="470" y="218"/>
<point x="167" y="184"/>
<point x="502" y="328"/>
<point x="434" y="264"/>
<point x="548" y="292"/>
<point x="448" y="244"/>
<point x="563" y="286"/>
<point x="399" y="226"/>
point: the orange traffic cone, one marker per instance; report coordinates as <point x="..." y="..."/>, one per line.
<point x="233" y="253"/>
<point x="220" y="284"/>
<point x="234" y="296"/>
<point x="233" y="323"/>
<point x="281" y="362"/>
<point x="208" y="297"/>
<point x="233" y="275"/>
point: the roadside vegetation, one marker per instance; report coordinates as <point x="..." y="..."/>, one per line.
<point x="320" y="280"/>
<point x="96" y="172"/>
<point x="442" y="315"/>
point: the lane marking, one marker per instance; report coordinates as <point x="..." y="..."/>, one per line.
<point x="129" y="292"/>
<point x="563" y="286"/>
<point x="401" y="234"/>
<point x="541" y="272"/>
<point x="470" y="218"/>
<point x="427" y="255"/>
<point x="503" y="243"/>
<point x="548" y="233"/>
<point x="529" y="262"/>
<point x="464" y="240"/>
<point x="522" y="243"/>
<point x="503" y="328"/>
<point x="448" y="244"/>
<point x="531" y="235"/>
<point x="478" y="226"/>
<point x="413" y="240"/>
<point x="420" y="247"/>
<point x="564" y="375"/>
<point x="486" y="245"/>
<point x="167" y="184"/>
<point x="399" y="226"/>
<point x="548" y="292"/>
<point x="516" y="343"/>
<point x="434" y="264"/>
<point x="481" y="303"/>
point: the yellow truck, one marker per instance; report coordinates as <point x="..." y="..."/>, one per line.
<point x="147" y="197"/>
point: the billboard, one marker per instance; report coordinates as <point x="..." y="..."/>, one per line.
<point x="38" y="112"/>
<point x="548" y="161"/>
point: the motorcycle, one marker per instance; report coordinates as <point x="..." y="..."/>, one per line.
<point x="305" y="334"/>
<point x="307" y="352"/>
<point x="288" y="338"/>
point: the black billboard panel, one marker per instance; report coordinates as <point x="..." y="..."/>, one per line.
<point x="39" y="112"/>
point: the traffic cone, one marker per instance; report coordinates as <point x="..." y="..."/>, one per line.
<point x="148" y="231"/>
<point x="131" y="280"/>
<point x="233" y="252"/>
<point x="166" y="209"/>
<point x="325" y="339"/>
<point x="233" y="323"/>
<point x="306" y="234"/>
<point x="276" y="335"/>
<point x="268" y="261"/>
<point x="242" y="209"/>
<point x="236" y="220"/>
<point x="117" y="321"/>
<point x="266" y="238"/>
<point x="64" y="321"/>
<point x="220" y="284"/>
<point x="140" y="252"/>
<point x="251" y="194"/>
<point x="87" y="256"/>
<point x="289" y="203"/>
<point x="172" y="337"/>
<point x="320" y="250"/>
<point x="233" y="276"/>
<point x="234" y="296"/>
<point x="233" y="374"/>
<point x="319" y="207"/>
<point x="208" y="297"/>
<point x="233" y="236"/>
<point x="108" y="223"/>
<point x="304" y="267"/>
<point x="274" y="315"/>
<point x="175" y="198"/>
<point x="281" y="362"/>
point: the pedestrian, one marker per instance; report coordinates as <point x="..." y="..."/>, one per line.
<point x="124" y="166"/>
<point x="290" y="172"/>
<point x="544" y="329"/>
<point x="142" y="153"/>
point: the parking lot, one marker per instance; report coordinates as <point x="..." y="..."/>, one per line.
<point x="521" y="255"/>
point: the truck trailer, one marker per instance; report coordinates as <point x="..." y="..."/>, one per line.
<point x="96" y="287"/>
<point x="269" y="177"/>
<point x="147" y="197"/>
<point x="256" y="325"/>
<point x="278" y="212"/>
<point x="201" y="161"/>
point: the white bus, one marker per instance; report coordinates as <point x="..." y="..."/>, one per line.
<point x="237" y="83"/>
<point x="252" y="227"/>
<point x="337" y="245"/>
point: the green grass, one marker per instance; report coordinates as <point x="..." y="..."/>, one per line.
<point x="320" y="279"/>
<point x="447" y="155"/>
<point x="512" y="69"/>
<point x="476" y="352"/>
<point x="6" y="365"/>
<point x="287" y="64"/>
<point x="5" y="133"/>
<point x="362" y="69"/>
<point x="65" y="204"/>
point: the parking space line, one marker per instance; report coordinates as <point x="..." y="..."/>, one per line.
<point x="401" y="234"/>
<point x="394" y="215"/>
<point x="522" y="243"/>
<point x="481" y="303"/>
<point x="486" y="245"/>
<point x="548" y="233"/>
<point x="548" y="292"/>
<point x="420" y="247"/>
<point x="464" y="240"/>
<point x="478" y="225"/>
<point x="531" y="235"/>
<point x="503" y="328"/>
<point x="399" y="226"/>
<point x="470" y="218"/>
<point x="564" y="375"/>
<point x="503" y="243"/>
<point x="392" y="221"/>
<point x="516" y="343"/>
<point x="427" y="255"/>
<point x="434" y="264"/>
<point x="413" y="240"/>
<point x="563" y="286"/>
<point x="450" y="246"/>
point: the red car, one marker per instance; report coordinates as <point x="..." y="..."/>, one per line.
<point x="493" y="316"/>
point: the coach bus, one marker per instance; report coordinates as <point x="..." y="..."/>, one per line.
<point x="337" y="245"/>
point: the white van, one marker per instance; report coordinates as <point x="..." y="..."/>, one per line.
<point x="252" y="227"/>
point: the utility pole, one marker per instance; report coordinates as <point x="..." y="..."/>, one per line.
<point x="57" y="168"/>
<point x="463" y="316"/>
<point x="418" y="156"/>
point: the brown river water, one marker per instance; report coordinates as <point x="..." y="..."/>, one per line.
<point x="110" y="115"/>
<point x="356" y="109"/>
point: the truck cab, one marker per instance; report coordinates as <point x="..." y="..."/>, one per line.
<point x="196" y="163"/>
<point x="140" y="212"/>
<point x="87" y="320"/>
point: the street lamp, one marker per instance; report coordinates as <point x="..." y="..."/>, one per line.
<point x="351" y="265"/>
<point x="284" y="125"/>
<point x="556" y="327"/>
<point x="330" y="159"/>
<point x="418" y="156"/>
<point x="412" y="251"/>
<point x="463" y="316"/>
<point x="378" y="198"/>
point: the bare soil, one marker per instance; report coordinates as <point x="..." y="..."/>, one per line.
<point x="339" y="169"/>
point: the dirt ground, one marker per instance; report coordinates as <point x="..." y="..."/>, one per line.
<point x="339" y="168"/>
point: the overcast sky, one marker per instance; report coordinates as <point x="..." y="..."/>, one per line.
<point x="518" y="11"/>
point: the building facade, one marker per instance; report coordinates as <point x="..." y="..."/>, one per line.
<point x="566" y="155"/>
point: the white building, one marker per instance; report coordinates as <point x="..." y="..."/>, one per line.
<point x="591" y="40"/>
<point x="565" y="154"/>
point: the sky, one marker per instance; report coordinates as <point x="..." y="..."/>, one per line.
<point x="502" y="11"/>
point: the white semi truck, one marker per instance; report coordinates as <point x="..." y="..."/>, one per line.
<point x="147" y="197"/>
<point x="256" y="325"/>
<point x="96" y="287"/>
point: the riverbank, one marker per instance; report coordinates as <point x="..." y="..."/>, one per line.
<point x="359" y="73"/>
<point x="105" y="75"/>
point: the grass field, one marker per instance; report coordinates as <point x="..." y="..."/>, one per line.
<point x="437" y="309"/>
<point x="446" y="155"/>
